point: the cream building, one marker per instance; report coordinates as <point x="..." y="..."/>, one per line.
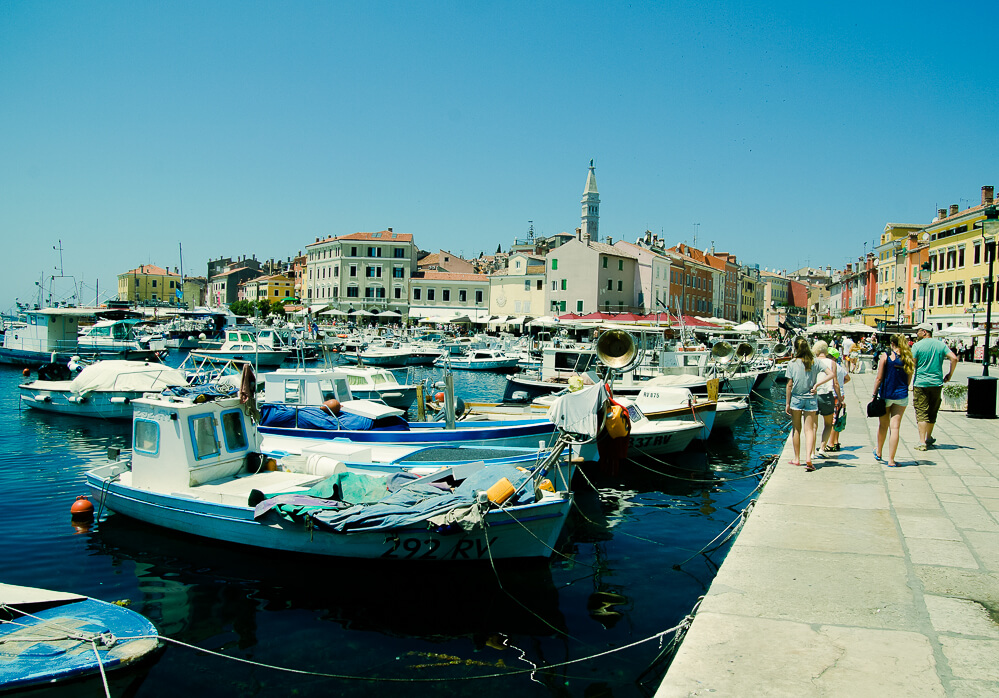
<point x="518" y="290"/>
<point x="447" y="295"/>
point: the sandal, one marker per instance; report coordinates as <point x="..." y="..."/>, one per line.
<point x="893" y="465"/>
<point x="809" y="468"/>
<point x="921" y="447"/>
<point x="878" y="458"/>
<point x="794" y="462"/>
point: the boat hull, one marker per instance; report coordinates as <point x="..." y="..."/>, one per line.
<point x="96" y="404"/>
<point x="263" y="358"/>
<point x="664" y="437"/>
<point x="530" y="533"/>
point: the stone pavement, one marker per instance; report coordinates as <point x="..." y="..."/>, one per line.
<point x="858" y="579"/>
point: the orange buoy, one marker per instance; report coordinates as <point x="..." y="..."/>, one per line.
<point x="82" y="508"/>
<point x="439" y="397"/>
<point x="26" y="372"/>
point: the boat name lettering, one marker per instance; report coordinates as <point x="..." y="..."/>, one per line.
<point x="407" y="548"/>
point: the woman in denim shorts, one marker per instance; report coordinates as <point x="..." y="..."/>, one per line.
<point x="802" y="405"/>
<point x="895" y="369"/>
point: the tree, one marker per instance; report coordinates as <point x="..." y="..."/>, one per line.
<point x="240" y="308"/>
<point x="263" y="307"/>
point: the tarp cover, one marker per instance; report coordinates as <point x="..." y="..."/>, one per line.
<point x="133" y="376"/>
<point x="275" y="414"/>
<point x="419" y="502"/>
<point x="576" y="412"/>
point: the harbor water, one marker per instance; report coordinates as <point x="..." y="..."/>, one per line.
<point x="628" y="567"/>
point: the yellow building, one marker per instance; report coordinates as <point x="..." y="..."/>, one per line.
<point x="958" y="266"/>
<point x="151" y="284"/>
<point x="274" y="288"/>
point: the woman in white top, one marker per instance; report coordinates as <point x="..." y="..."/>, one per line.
<point x="828" y="395"/>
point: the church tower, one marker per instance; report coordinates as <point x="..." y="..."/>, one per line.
<point x="591" y="209"/>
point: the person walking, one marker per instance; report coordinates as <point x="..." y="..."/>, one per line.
<point x="895" y="369"/>
<point x="843" y="377"/>
<point x="929" y="354"/>
<point x="827" y="395"/>
<point x="801" y="404"/>
<point x="847" y="353"/>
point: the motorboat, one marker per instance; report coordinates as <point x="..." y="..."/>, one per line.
<point x="215" y="479"/>
<point x="479" y="360"/>
<point x="241" y="345"/>
<point x="375" y="383"/>
<point x="119" y="337"/>
<point x="51" y="636"/>
<point x="102" y="390"/>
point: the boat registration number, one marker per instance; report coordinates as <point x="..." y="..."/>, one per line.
<point x="430" y="549"/>
<point x="646" y="441"/>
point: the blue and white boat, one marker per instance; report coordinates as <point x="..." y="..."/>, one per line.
<point x="479" y="360"/>
<point x="293" y="407"/>
<point x="201" y="467"/>
<point x="50" y="636"/>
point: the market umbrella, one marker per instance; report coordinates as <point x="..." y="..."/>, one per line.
<point x="333" y="311"/>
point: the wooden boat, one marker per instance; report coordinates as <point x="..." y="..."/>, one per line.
<point x="103" y="390"/>
<point x="206" y="479"/>
<point x="50" y="636"/>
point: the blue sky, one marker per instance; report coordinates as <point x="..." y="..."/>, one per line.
<point x="790" y="133"/>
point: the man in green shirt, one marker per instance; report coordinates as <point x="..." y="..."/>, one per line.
<point x="927" y="383"/>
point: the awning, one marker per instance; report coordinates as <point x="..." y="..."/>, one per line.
<point x="516" y="320"/>
<point x="333" y="311"/>
<point x="390" y="313"/>
<point x="544" y="321"/>
<point x="362" y="312"/>
<point x="498" y="320"/>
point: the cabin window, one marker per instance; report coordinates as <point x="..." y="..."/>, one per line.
<point x="327" y="390"/>
<point x="342" y="391"/>
<point x="203" y="436"/>
<point x="377" y="378"/>
<point x="293" y="391"/>
<point x="232" y="429"/>
<point x="147" y="436"/>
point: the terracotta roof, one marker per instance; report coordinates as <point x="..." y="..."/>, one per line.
<point x="383" y="236"/>
<point x="449" y="276"/>
<point x="152" y="269"/>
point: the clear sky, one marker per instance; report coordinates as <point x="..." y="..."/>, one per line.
<point x="788" y="134"/>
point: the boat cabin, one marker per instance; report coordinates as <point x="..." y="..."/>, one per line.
<point x="45" y="331"/>
<point x="306" y="386"/>
<point x="178" y="443"/>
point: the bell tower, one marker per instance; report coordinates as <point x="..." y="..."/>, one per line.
<point x="591" y="208"/>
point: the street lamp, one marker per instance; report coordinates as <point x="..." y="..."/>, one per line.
<point x="924" y="280"/>
<point x="899" y="297"/>
<point x="989" y="231"/>
<point x="887" y="302"/>
<point x="974" y="310"/>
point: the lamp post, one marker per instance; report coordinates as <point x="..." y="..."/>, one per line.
<point x="924" y="280"/>
<point x="989" y="226"/>
<point x="974" y="310"/>
<point x="899" y="297"/>
<point x="887" y="302"/>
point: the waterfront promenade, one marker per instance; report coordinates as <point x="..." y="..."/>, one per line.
<point x="858" y="579"/>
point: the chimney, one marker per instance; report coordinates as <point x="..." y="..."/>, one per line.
<point x="941" y="213"/>
<point x="953" y="210"/>
<point x="317" y="239"/>
<point x="849" y="267"/>
<point x="610" y="240"/>
<point x="579" y="234"/>
<point x="987" y="195"/>
<point x="390" y="230"/>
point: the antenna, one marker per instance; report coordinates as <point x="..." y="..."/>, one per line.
<point x="59" y="247"/>
<point x="696" y="226"/>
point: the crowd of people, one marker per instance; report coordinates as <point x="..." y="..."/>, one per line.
<point x="818" y="372"/>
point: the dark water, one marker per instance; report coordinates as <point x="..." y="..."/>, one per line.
<point x="419" y="630"/>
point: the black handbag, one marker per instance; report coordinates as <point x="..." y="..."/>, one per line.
<point x="876" y="407"/>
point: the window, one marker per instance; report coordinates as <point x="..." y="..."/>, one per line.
<point x="620" y="285"/>
<point x="478" y="296"/>
<point x="353" y="292"/>
<point x="527" y="285"/>
<point x="462" y="296"/>
<point x="620" y="265"/>
<point x="977" y="254"/>
<point x="203" y="436"/>
<point x="959" y="294"/>
<point x="353" y="270"/>
<point x="579" y="306"/>
<point x="233" y="431"/>
<point x="949" y="295"/>
<point x="398" y="273"/>
<point x="446" y="295"/>
<point x="430" y="294"/>
<point x="398" y="291"/>
<point x="154" y="283"/>
<point x="171" y="284"/>
<point x="564" y="282"/>
<point x="610" y="284"/>
<point x="399" y="253"/>
<point x="517" y="264"/>
<point x="374" y="251"/>
<point x="554" y="264"/>
<point x="147" y="436"/>
<point x="373" y="272"/>
<point x="561" y="306"/>
<point x="960" y="257"/>
<point x="416" y="294"/>
<point x="554" y="285"/>
<point x="605" y="262"/>
<point x="540" y="284"/>
<point x="353" y="251"/>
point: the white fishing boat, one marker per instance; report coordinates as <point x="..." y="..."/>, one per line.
<point x="479" y="360"/>
<point x="241" y="345"/>
<point x="103" y="390"/>
<point x="206" y="479"/>
<point x="51" y="636"/>
<point x="120" y="337"/>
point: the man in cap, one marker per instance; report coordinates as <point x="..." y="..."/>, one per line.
<point x="927" y="383"/>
